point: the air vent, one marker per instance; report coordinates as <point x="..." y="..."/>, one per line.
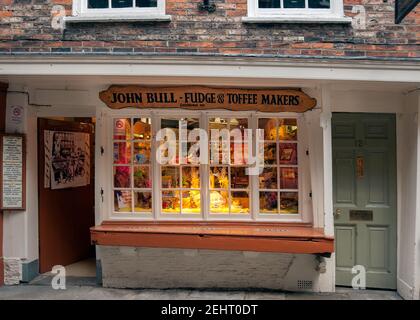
<point x="304" y="284"/>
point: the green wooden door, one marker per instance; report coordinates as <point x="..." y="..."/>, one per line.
<point x="365" y="199"/>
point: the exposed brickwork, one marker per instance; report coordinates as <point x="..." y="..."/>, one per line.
<point x="25" y="27"/>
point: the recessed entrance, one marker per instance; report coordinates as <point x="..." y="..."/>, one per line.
<point x="66" y="193"/>
<point x="365" y="197"/>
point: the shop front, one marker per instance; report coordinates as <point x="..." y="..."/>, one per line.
<point x="298" y="179"/>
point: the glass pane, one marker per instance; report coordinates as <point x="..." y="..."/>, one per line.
<point x="268" y="3"/>
<point x="142" y="201"/>
<point x="288" y="178"/>
<point x="268" y="202"/>
<point x="219" y="152"/>
<point x="172" y="124"/>
<point x="122" y="3"/>
<point x="288" y="153"/>
<point x="288" y="129"/>
<point x="170" y="177"/>
<point x="239" y="178"/>
<point x="269" y="127"/>
<point x="122" y="129"/>
<point x="122" y="177"/>
<point x="289" y="202"/>
<point x="219" y="178"/>
<point x="191" y="155"/>
<point x="189" y="124"/>
<point x="319" y="4"/>
<point x="268" y="178"/>
<point x="219" y="202"/>
<point x="141" y="152"/>
<point x="122" y="152"/>
<point x="294" y="3"/>
<point x="146" y="3"/>
<point x="142" y="177"/>
<point x="142" y="128"/>
<point x="170" y="202"/>
<point x="239" y="202"/>
<point x="238" y="129"/>
<point x="191" y="201"/>
<point x="270" y="154"/>
<point x="97" y="4"/>
<point x="218" y="124"/>
<point x="238" y="153"/>
<point x="122" y="201"/>
<point x="191" y="177"/>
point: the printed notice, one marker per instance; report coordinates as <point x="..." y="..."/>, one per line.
<point x="12" y="170"/>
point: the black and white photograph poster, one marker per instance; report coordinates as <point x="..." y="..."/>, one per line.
<point x="68" y="155"/>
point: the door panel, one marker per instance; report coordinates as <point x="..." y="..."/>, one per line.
<point x="378" y="249"/>
<point x="65" y="215"/>
<point x="345" y="246"/>
<point x="364" y="168"/>
<point x="344" y="178"/>
<point x="377" y="167"/>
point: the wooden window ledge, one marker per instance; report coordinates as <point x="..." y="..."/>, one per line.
<point x="259" y="237"/>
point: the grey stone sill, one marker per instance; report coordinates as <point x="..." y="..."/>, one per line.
<point x="122" y="18"/>
<point x="293" y="19"/>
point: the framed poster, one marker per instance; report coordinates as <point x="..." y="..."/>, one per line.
<point x="13" y="168"/>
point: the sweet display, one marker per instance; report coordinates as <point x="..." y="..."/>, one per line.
<point x="142" y="177"/>
<point x="142" y="201"/>
<point x="269" y="202"/>
<point x="229" y="186"/>
<point x="280" y="172"/>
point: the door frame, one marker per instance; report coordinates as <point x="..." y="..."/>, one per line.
<point x="63" y="112"/>
<point x="396" y="186"/>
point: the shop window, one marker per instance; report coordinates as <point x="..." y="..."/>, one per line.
<point x="278" y="183"/>
<point x="185" y="187"/>
<point x="229" y="183"/>
<point x="298" y="9"/>
<point x="120" y="8"/>
<point x="132" y="169"/>
<point x="180" y="176"/>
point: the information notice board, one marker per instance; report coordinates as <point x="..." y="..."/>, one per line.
<point x="13" y="168"/>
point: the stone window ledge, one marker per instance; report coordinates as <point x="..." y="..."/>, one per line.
<point x="117" y="18"/>
<point x="296" y="19"/>
<point x="298" y="238"/>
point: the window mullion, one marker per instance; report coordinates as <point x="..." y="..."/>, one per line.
<point x="155" y="169"/>
<point x="253" y="181"/>
<point x="205" y="172"/>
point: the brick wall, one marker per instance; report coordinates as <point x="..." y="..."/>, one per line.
<point x="25" y="27"/>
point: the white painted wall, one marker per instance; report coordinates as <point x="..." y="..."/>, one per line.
<point x="408" y="158"/>
<point x="21" y="238"/>
<point x="21" y="227"/>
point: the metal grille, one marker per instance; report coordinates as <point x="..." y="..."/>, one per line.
<point x="304" y="284"/>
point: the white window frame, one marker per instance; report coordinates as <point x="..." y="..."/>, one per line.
<point x="336" y="12"/>
<point x="80" y="9"/>
<point x="304" y="184"/>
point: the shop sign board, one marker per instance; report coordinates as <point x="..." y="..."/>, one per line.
<point x="201" y="98"/>
<point x="12" y="166"/>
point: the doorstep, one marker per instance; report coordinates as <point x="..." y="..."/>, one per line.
<point x="232" y="236"/>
